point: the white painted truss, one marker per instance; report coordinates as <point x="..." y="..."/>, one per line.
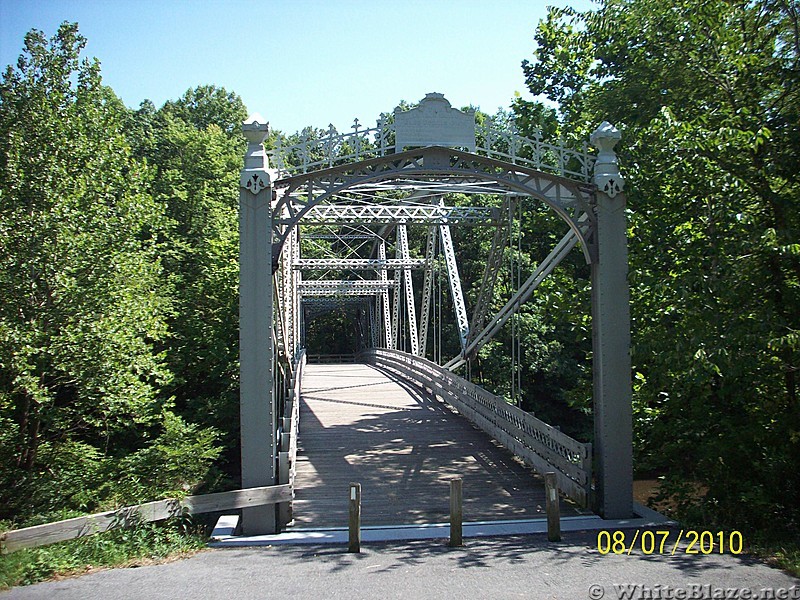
<point x="309" y="195"/>
<point x="379" y="214"/>
<point x="358" y="264"/>
<point x="343" y="287"/>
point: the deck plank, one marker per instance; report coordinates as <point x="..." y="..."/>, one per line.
<point x="403" y="446"/>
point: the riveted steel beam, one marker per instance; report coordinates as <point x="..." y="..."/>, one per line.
<point x="359" y="264"/>
<point x="408" y="288"/>
<point x="342" y="287"/>
<point x="378" y="214"/>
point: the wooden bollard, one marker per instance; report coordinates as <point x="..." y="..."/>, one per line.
<point x="551" y="507"/>
<point x="355" y="518"/>
<point x="456" y="512"/>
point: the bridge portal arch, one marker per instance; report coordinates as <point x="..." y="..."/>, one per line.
<point x="593" y="207"/>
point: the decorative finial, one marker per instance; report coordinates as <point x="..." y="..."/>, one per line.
<point x="255" y="129"/>
<point x="254" y="176"/>
<point x="606" y="169"/>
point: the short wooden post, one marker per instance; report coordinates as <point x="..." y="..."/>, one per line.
<point x="456" y="512"/>
<point x="551" y="506"/>
<point x="355" y="518"/>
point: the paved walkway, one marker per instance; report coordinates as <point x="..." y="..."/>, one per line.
<point x="359" y="425"/>
<point x="503" y="568"/>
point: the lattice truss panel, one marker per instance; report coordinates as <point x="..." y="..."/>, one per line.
<point x="379" y="235"/>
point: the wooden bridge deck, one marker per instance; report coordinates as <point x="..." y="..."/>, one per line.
<point x="359" y="425"/>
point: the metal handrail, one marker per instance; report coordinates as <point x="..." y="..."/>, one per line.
<point x="290" y="428"/>
<point x="541" y="446"/>
<point x="333" y="148"/>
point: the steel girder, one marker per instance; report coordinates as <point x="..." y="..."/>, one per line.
<point x="387" y="319"/>
<point x="336" y="236"/>
<point x="343" y="287"/>
<point x="427" y="290"/>
<point x="408" y="288"/>
<point x="358" y="264"/>
<point x="379" y="214"/>
<point x="396" y="292"/>
<point x="455" y="285"/>
<point x="295" y="289"/>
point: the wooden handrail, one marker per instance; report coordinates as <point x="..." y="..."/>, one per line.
<point x="59" y="531"/>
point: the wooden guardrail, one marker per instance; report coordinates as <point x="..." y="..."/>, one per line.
<point x="540" y="445"/>
<point x="290" y="429"/>
<point x="49" y="533"/>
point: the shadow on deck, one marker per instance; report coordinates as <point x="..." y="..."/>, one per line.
<point x="359" y="425"/>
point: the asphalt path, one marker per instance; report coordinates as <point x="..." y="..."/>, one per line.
<point x="510" y="567"/>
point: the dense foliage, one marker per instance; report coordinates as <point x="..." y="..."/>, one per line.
<point x="89" y="401"/>
<point x="708" y="98"/>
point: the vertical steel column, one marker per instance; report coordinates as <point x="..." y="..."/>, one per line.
<point x="396" y="292"/>
<point x="374" y="320"/>
<point x="256" y="352"/>
<point x="408" y="288"/>
<point x="294" y="256"/>
<point x="287" y="300"/>
<point x="427" y="290"/>
<point x="387" y="319"/>
<point x="611" y="328"/>
<point x="455" y="285"/>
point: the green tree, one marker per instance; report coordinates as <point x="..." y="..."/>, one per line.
<point x="707" y="97"/>
<point x="84" y="301"/>
<point x="195" y="150"/>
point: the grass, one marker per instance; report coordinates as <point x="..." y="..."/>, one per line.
<point x="143" y="544"/>
<point x="779" y="553"/>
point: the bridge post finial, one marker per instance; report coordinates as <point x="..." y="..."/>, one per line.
<point x="606" y="169"/>
<point x="255" y="176"/>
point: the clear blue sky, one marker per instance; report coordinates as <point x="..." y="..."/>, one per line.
<point x="299" y="62"/>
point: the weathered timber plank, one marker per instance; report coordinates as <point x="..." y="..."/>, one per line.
<point x="40" y="535"/>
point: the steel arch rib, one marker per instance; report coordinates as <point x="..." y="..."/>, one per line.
<point x="562" y="195"/>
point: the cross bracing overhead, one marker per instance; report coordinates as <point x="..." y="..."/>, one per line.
<point x="341" y="207"/>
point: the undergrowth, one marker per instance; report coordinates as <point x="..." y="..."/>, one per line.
<point x="121" y="547"/>
<point x="691" y="505"/>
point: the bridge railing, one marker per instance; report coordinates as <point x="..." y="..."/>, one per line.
<point x="541" y="446"/>
<point x="320" y="149"/>
<point x="317" y="359"/>
<point x="289" y="430"/>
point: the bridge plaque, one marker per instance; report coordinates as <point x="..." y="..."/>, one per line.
<point x="434" y="123"/>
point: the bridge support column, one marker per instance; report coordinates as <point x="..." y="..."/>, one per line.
<point x="611" y="337"/>
<point x="256" y="352"/>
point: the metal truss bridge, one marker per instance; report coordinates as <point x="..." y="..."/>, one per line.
<point x="365" y="224"/>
